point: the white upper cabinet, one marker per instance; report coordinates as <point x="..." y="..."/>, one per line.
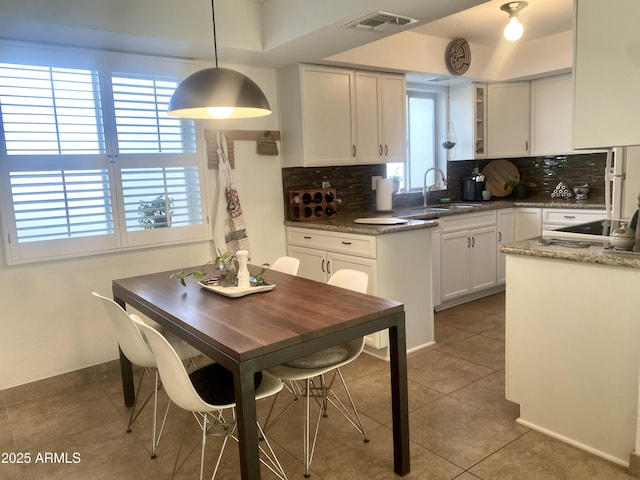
<point x="551" y="115"/>
<point x="606" y="114"/>
<point x="316" y="105"/>
<point x="393" y="102"/>
<point x="468" y="113"/>
<point x="336" y="116"/>
<point x="508" y="119"/>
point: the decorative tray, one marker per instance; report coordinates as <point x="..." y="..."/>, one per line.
<point x="234" y="292"/>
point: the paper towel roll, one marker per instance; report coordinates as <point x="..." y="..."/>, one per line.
<point x="384" y="189"/>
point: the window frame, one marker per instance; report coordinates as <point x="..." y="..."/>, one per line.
<point x="110" y="161"/>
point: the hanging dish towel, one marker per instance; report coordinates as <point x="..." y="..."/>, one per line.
<point x="229" y="232"/>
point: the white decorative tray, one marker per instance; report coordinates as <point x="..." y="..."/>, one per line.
<point x="235" y="292"/>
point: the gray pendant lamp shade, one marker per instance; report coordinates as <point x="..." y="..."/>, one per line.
<point x="218" y="93"/>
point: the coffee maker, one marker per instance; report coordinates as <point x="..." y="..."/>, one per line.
<point x="472" y="188"/>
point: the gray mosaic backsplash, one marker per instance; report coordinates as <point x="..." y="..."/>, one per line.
<point x="353" y="183"/>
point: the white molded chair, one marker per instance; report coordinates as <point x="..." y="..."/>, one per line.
<point x="135" y="348"/>
<point x="310" y="370"/>
<point x="207" y="392"/>
<point x="286" y="265"/>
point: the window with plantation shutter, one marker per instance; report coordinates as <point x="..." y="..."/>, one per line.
<point x="89" y="160"/>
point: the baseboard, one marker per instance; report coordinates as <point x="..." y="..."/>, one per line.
<point x="469" y="298"/>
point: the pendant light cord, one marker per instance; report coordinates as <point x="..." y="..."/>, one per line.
<point x="215" y="43"/>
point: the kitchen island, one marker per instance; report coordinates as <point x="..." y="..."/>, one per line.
<point x="573" y="344"/>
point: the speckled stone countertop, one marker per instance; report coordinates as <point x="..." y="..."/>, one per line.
<point x="419" y="217"/>
<point x="596" y="252"/>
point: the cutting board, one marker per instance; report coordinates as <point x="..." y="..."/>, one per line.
<point x="497" y="173"/>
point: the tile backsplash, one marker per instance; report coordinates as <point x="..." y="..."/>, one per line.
<point x="353" y="183"/>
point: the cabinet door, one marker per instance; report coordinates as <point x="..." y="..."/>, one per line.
<point x="505" y="235"/>
<point x="528" y="223"/>
<point x="508" y="119"/>
<point x="454" y="264"/>
<point x="482" y="259"/>
<point x="368" y="142"/>
<point x="327" y="100"/>
<point x="393" y="118"/>
<point x="551" y="115"/>
<point x="337" y="261"/>
<point x="313" y="263"/>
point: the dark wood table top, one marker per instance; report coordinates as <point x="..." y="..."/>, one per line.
<point x="295" y="311"/>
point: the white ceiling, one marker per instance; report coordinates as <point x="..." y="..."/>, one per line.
<point x="484" y="23"/>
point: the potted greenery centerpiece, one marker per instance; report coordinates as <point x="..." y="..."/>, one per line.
<point x="520" y="187"/>
<point x="154" y="214"/>
<point x="225" y="264"/>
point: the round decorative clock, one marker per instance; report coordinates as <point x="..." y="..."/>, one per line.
<point x="458" y="56"/>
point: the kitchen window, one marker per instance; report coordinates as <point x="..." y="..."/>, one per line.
<point x="89" y="160"/>
<point x="425" y="117"/>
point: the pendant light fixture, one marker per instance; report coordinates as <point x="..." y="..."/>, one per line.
<point x="218" y="92"/>
<point x="514" y="29"/>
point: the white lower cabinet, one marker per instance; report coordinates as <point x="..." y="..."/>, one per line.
<point x="505" y="222"/>
<point x="554" y="218"/>
<point x="398" y="265"/>
<point x="467" y="255"/>
<point x="528" y="223"/>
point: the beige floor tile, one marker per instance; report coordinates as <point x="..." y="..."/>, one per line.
<point x="459" y="432"/>
<point x="479" y="349"/>
<point x="372" y="395"/>
<point x="446" y="334"/>
<point x="535" y="456"/>
<point x="444" y="373"/>
<point x="487" y="394"/>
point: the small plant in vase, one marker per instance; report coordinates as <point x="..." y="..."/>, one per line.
<point x="520" y="187"/>
<point x="395" y="182"/>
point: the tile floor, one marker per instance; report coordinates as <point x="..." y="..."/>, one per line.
<point x="461" y="425"/>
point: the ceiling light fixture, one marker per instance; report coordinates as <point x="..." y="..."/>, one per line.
<point x="218" y="93"/>
<point x="514" y="29"/>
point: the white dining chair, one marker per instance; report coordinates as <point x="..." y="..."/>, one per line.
<point x="286" y="265"/>
<point x="135" y="348"/>
<point x="207" y="392"/>
<point x="307" y="375"/>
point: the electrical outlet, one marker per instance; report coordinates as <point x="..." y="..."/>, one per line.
<point x="326" y="184"/>
<point x="374" y="179"/>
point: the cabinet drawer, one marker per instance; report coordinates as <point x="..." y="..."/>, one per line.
<point x="570" y="217"/>
<point x="359" y="245"/>
<point x="467" y="221"/>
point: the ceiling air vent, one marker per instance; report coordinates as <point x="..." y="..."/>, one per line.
<point x="380" y="21"/>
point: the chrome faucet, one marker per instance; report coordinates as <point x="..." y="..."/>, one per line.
<point x="425" y="191"/>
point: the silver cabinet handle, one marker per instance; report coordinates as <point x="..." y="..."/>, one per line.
<point x="328" y="267"/>
<point x="386" y="149"/>
<point x="380" y="150"/>
<point x="526" y="145"/>
<point x="346" y="243"/>
<point x="353" y="150"/>
<point x="569" y="216"/>
<point x="473" y="242"/>
<point x="468" y="242"/>
<point x="323" y="265"/>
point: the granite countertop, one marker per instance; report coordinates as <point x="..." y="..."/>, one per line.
<point x="595" y="252"/>
<point x="419" y="217"/>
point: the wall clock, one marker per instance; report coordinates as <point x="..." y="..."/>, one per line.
<point x="458" y="56"/>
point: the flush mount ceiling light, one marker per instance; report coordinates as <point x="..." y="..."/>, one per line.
<point x="514" y="29"/>
<point x="218" y="93"/>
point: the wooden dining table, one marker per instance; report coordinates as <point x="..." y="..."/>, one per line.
<point x="261" y="330"/>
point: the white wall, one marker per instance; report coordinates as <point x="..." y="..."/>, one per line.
<point x="51" y="324"/>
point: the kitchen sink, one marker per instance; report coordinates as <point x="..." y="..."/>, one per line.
<point x="459" y="206"/>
